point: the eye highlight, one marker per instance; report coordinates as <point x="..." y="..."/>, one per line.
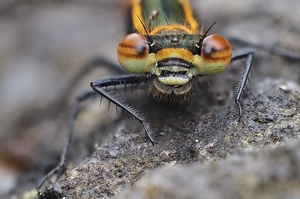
<point x="215" y="54"/>
<point x="133" y="51"/>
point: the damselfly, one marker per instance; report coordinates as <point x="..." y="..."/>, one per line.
<point x="169" y="52"/>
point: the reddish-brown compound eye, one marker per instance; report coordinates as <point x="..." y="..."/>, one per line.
<point x="133" y="51"/>
<point x="215" y="54"/>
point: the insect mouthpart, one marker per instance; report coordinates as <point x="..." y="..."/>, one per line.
<point x="174" y="72"/>
<point x="173" y="79"/>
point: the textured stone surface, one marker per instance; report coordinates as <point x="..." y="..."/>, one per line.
<point x="45" y="45"/>
<point x="272" y="172"/>
<point x="270" y="119"/>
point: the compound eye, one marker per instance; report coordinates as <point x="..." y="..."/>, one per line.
<point x="133" y="51"/>
<point x="216" y="54"/>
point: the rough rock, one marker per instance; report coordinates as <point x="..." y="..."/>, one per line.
<point x="46" y="51"/>
<point x="220" y="148"/>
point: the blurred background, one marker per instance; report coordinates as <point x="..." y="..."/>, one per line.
<point x="45" y="45"/>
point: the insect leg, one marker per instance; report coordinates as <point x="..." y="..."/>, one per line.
<point x="243" y="81"/>
<point x="95" y="63"/>
<point x="122" y="80"/>
<point x="60" y="168"/>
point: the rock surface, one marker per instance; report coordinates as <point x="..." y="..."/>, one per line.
<point x="227" y="156"/>
<point x="202" y="147"/>
<point x="272" y="172"/>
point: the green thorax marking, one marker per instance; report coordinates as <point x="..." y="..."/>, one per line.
<point x="170" y="11"/>
<point x="175" y="41"/>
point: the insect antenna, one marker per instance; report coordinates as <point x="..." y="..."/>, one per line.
<point x="205" y="34"/>
<point x="147" y="33"/>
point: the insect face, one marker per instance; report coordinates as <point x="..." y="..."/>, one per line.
<point x="174" y="59"/>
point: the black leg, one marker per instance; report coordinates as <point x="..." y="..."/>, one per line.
<point x="60" y="168"/>
<point x="242" y="83"/>
<point x="95" y="63"/>
<point x="98" y="86"/>
<point x="90" y="66"/>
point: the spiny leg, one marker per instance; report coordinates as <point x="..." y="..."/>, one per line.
<point x="275" y="50"/>
<point x="60" y="168"/>
<point x="242" y="83"/>
<point x="123" y="80"/>
<point x="88" y="67"/>
<point x="96" y="63"/>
